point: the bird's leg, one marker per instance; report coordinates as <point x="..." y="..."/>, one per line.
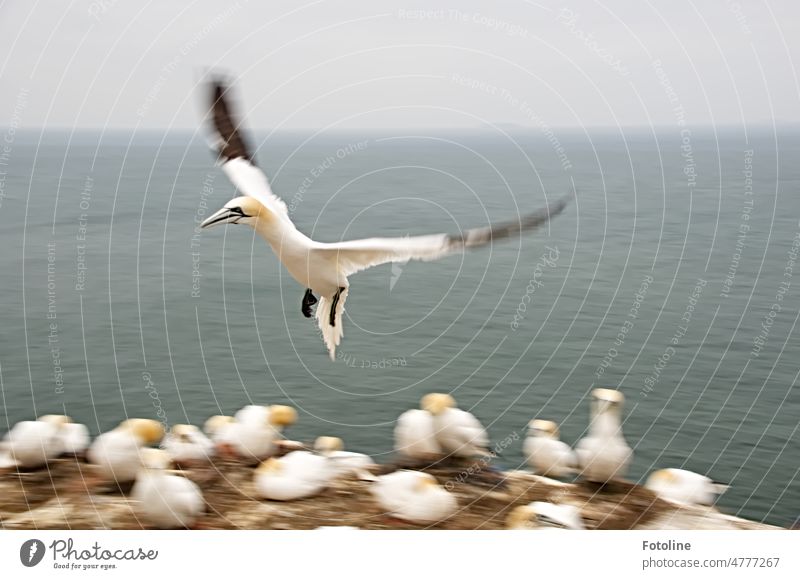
<point x="335" y="303"/>
<point x="308" y="301"/>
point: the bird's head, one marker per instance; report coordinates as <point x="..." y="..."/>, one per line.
<point x="270" y="466"/>
<point x="607" y="399"/>
<point x="216" y="423"/>
<point x="436" y="403"/>
<point x="425" y="482"/>
<point x="325" y="444"/>
<point x="546" y="428"/>
<point x="148" y="431"/>
<point x="246" y="210"/>
<point x="155" y="458"/>
<point x="58" y="420"/>
<point x="282" y="416"/>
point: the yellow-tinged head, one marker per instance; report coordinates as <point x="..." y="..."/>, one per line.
<point x="544" y="427"/>
<point x="607" y="395"/>
<point x="325" y="444"/>
<point x="270" y="466"/>
<point x="184" y="430"/>
<point x="55" y="419"/>
<point x="146" y="430"/>
<point x="436" y="403"/>
<point x="663" y="475"/>
<point x="214" y="424"/>
<point x="425" y="482"/>
<point x="280" y="415"/>
<point x="244" y="210"/>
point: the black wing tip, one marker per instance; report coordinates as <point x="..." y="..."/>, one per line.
<point x="231" y="143"/>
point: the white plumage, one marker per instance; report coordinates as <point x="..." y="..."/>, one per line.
<point x="415" y="435"/>
<point x="413" y="496"/>
<point x="545" y="453"/>
<point x="255" y="433"/>
<point x="116" y="454"/>
<point x="604" y="454"/>
<point x="541" y="515"/>
<point x="458" y="432"/>
<point x="31" y="443"/>
<point x="340" y="461"/>
<point x="297" y="475"/>
<point x="165" y="500"/>
<point x="324" y="268"/>
<point x="684" y="486"/>
<point x="185" y="442"/>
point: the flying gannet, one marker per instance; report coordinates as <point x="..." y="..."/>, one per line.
<point x="324" y="268"/>
<point x="604" y="454"/>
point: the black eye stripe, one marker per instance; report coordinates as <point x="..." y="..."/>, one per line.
<point x="238" y="211"/>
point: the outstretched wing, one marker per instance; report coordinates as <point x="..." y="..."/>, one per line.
<point x="357" y="255"/>
<point x="235" y="153"/>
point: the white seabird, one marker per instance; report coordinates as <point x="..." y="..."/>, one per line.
<point x="324" y="268"/>
<point x="256" y="434"/>
<point x="32" y="443"/>
<point x="604" y="454"/>
<point x="684" y="486"/>
<point x="117" y="453"/>
<point x="541" y="515"/>
<point x="415" y="435"/>
<point x="545" y="453"/>
<point x="413" y="496"/>
<point x="342" y="462"/>
<point x="164" y="499"/>
<point x="185" y="443"/>
<point x="298" y="475"/>
<point x="458" y="432"/>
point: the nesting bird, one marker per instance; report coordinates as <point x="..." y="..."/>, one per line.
<point x="544" y="515"/>
<point x="604" y="454"/>
<point x="254" y="433"/>
<point x="458" y="432"/>
<point x="545" y="453"/>
<point x="297" y="475"/>
<point x="415" y="436"/>
<point x="186" y="443"/>
<point x="116" y="453"/>
<point x="684" y="487"/>
<point x="164" y="499"/>
<point x="413" y="496"/>
<point x="341" y="462"/>
<point x="32" y="443"/>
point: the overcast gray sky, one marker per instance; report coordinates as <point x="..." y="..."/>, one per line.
<point x="371" y="64"/>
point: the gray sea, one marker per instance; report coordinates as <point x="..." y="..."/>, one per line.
<point x="672" y="276"/>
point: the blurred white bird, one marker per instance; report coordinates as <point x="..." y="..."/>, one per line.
<point x="458" y="432"/>
<point x="341" y="461"/>
<point x="186" y="443"/>
<point x="116" y="453"/>
<point x="297" y="475"/>
<point x="255" y="435"/>
<point x="215" y="424"/>
<point x="164" y="499"/>
<point x="541" y="515"/>
<point x="604" y="454"/>
<point x="415" y="436"/>
<point x="413" y="496"/>
<point x="545" y="453"/>
<point x="684" y="487"/>
<point x="32" y="443"/>
<point x="74" y="437"/>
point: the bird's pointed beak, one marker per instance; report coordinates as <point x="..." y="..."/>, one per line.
<point x="224" y="215"/>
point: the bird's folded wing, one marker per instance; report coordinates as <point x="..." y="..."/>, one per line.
<point x="236" y="155"/>
<point x="357" y="255"/>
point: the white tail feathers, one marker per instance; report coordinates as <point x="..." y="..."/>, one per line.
<point x="332" y="335"/>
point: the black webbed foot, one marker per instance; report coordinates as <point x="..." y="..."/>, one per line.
<point x="308" y="301"/>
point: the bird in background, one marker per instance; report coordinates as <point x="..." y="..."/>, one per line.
<point x="546" y="454"/>
<point x="684" y="486"/>
<point x="603" y="454"/>
<point x="324" y="269"/>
